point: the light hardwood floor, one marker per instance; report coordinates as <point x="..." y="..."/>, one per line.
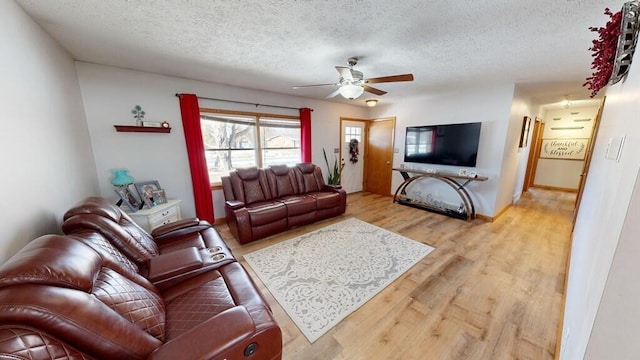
<point x="488" y="291"/>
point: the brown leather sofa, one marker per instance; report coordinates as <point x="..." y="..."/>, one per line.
<point x="187" y="238"/>
<point x="263" y="202"/>
<point x="79" y="296"/>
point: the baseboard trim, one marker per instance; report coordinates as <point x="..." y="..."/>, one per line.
<point x="545" y="187"/>
<point x="493" y="218"/>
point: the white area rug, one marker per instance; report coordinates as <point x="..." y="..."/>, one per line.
<point x="321" y="277"/>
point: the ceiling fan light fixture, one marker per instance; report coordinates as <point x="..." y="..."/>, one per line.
<point x="371" y="102"/>
<point x="351" y="91"/>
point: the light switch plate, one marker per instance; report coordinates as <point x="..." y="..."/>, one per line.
<point x="614" y="148"/>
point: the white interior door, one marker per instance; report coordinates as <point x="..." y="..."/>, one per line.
<point x="353" y="172"/>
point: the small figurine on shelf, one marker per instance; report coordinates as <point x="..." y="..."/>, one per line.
<point x="138" y="114"/>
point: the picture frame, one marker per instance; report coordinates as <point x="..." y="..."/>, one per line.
<point x="524" y="134"/>
<point x="159" y="197"/>
<point x="145" y="189"/>
<point x="126" y="197"/>
<point x="564" y="148"/>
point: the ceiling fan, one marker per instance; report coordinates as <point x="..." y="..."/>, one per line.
<point x="352" y="83"/>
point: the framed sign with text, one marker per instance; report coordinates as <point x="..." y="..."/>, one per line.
<point x="565" y="149"/>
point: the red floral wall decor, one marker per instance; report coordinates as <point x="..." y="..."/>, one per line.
<point x="613" y="49"/>
<point x="604" y="52"/>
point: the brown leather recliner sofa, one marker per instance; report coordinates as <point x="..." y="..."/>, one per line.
<point x="79" y="296"/>
<point x="263" y="202"/>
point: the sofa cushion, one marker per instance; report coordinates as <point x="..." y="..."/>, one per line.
<point x="266" y="212"/>
<point x="299" y="204"/>
<point x="132" y="301"/>
<point x="326" y="199"/>
<point x="309" y="177"/>
<point x="195" y="301"/>
<point x="52" y="260"/>
<point x="282" y="181"/>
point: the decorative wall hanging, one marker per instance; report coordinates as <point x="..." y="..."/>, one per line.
<point x="354" y="151"/>
<point x="524" y="134"/>
<point x="613" y="50"/>
<point x="564" y="149"/>
<point x="626" y="41"/>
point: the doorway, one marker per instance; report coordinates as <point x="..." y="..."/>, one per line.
<point x="352" y="153"/>
<point x="378" y="167"/>
<point x="371" y="170"/>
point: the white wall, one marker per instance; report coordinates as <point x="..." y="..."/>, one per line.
<point x="110" y="93"/>
<point x="617" y="325"/>
<point x="45" y="152"/>
<point x="489" y="105"/>
<point x="603" y="213"/>
<point x="514" y="161"/>
<point x="559" y="173"/>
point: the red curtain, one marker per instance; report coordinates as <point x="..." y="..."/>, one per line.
<point x="197" y="161"/>
<point x="305" y="134"/>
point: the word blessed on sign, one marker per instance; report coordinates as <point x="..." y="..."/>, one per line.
<point x="569" y="149"/>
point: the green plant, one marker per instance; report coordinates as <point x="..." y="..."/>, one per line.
<point x="334" y="172"/>
<point x="138" y="113"/>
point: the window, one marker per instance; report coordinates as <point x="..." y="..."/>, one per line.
<point x="234" y="141"/>
<point x="351" y="132"/>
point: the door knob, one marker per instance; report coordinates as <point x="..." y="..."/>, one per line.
<point x="388" y="163"/>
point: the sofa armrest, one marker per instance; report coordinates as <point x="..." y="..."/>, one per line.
<point x="178" y="228"/>
<point x="174" y="263"/>
<point x="234" y="204"/>
<point x="214" y="338"/>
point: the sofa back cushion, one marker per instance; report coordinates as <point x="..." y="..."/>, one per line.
<point x="98" y="214"/>
<point x="250" y="185"/>
<point x="309" y="177"/>
<point x="61" y="287"/>
<point x="282" y="180"/>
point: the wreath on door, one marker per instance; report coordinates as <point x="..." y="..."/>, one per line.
<point x="353" y="150"/>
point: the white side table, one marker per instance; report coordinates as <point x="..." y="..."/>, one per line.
<point x="158" y="215"/>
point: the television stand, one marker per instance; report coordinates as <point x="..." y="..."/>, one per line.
<point x="455" y="181"/>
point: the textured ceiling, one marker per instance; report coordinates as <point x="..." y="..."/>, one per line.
<point x="273" y="45"/>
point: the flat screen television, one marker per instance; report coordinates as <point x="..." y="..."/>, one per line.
<point x="451" y="144"/>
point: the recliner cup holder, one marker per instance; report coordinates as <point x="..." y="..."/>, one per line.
<point x="215" y="249"/>
<point x="218" y="257"/>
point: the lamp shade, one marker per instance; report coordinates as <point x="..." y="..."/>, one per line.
<point x="351" y="91"/>
<point x="121" y="177"/>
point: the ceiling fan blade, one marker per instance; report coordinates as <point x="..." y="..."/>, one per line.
<point x="373" y="90"/>
<point x="333" y="94"/>
<point x="393" y="78"/>
<point x="305" y="86"/>
<point x="345" y="72"/>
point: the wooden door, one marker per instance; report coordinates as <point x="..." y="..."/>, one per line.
<point x="587" y="161"/>
<point x="380" y="136"/>
<point x="534" y="151"/>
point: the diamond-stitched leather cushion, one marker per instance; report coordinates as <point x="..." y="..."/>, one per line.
<point x="135" y="303"/>
<point x="100" y="244"/>
<point x="18" y="343"/>
<point x="253" y="191"/>
<point x="197" y="305"/>
<point x="281" y="180"/>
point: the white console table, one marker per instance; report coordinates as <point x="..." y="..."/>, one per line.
<point x="158" y="215"/>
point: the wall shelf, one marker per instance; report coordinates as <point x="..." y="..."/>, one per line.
<point x="147" y="129"/>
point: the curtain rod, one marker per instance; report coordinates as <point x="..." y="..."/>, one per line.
<point x="247" y="103"/>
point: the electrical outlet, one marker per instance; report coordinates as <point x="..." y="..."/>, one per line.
<point x="336" y="150"/>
